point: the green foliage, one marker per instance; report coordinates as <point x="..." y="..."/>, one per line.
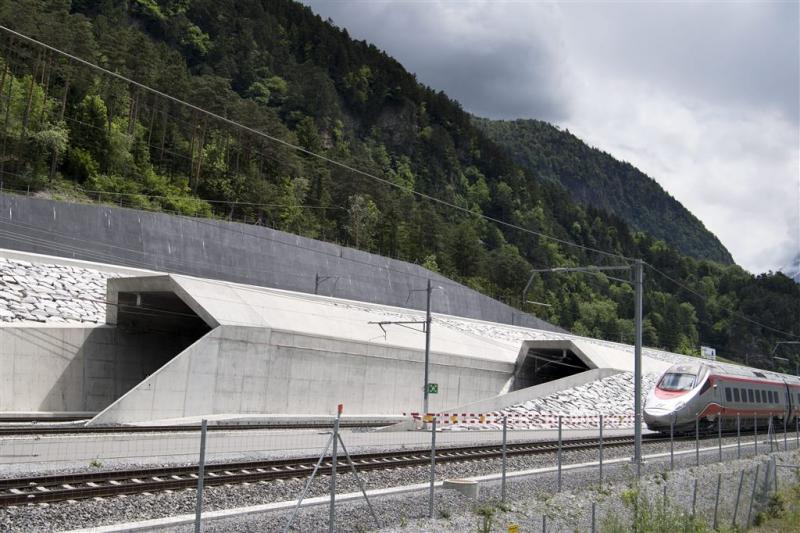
<point x="649" y="517"/>
<point x="278" y="68"/>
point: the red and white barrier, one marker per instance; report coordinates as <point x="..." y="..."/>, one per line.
<point x="530" y="420"/>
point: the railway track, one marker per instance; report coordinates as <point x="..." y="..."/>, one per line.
<point x="64" y="487"/>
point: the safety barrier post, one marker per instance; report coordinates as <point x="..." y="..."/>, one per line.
<point x="503" y="484"/>
<point x="559" y="453"/>
<point x="594" y="512"/>
<point x="201" y="474"/>
<point x="719" y="436"/>
<point x="433" y="468"/>
<point x="601" y="450"/>
<point x="544" y="523"/>
<point x="694" y="497"/>
<point x="738" y="494"/>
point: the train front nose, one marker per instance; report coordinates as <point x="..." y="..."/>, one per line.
<point x="658" y="417"/>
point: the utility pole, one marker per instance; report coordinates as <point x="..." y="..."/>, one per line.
<point x="638" y="282"/>
<point x="426" y="327"/>
<point x="638" y="279"/>
<point x="427" y="348"/>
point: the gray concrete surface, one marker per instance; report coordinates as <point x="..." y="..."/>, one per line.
<point x="75" y="368"/>
<point x="234" y="252"/>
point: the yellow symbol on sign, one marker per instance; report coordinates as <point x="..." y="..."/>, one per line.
<point x="513" y="528"/>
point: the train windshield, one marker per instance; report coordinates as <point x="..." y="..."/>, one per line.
<point x="676" y="381"/>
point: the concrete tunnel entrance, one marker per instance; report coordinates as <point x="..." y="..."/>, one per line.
<point x="542" y="365"/>
<point x="151" y="329"/>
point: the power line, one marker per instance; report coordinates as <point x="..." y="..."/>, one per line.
<point x="309" y="152"/>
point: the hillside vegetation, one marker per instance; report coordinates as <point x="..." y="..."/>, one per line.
<point x="276" y="67"/>
<point x="595" y="178"/>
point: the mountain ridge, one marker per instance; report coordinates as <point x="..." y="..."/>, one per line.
<point x="594" y="177"/>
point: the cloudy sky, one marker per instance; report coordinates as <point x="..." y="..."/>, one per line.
<point x="703" y="97"/>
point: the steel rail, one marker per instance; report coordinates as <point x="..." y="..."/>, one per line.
<point x="62" y="487"/>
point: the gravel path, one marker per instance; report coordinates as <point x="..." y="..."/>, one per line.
<point x="394" y="510"/>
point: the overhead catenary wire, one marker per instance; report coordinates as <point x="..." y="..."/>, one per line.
<point x="308" y="152"/>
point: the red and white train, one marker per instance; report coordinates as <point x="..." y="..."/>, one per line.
<point x="717" y="394"/>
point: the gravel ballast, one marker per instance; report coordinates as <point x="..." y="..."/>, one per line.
<point x="395" y="510"/>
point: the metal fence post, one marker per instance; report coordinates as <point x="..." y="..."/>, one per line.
<point x="775" y="472"/>
<point x="559" y="453"/>
<point x="755" y="433"/>
<point x="697" y="440"/>
<point x="433" y="468"/>
<point x="544" y="523"/>
<point x="334" y="459"/>
<point x="752" y="496"/>
<point x="785" y="421"/>
<point x="738" y="437"/>
<point x="716" y="500"/>
<point x="672" y="444"/>
<point x="601" y="450"/>
<point x="201" y="474"/>
<point x="738" y="495"/>
<point x="719" y="436"/>
<point x="694" y="497"/>
<point x="797" y="429"/>
<point x="503" y="484"/>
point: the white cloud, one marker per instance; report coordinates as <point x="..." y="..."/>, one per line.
<point x="737" y="170"/>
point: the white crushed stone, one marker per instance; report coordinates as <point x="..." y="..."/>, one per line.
<point x="42" y="292"/>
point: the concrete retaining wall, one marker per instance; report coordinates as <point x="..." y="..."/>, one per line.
<point x="75" y="368"/>
<point x="235" y="369"/>
<point x="233" y="252"/>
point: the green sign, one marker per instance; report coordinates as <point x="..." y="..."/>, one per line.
<point x="433" y="388"/>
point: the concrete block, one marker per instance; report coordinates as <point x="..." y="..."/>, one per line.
<point x="467" y="487"/>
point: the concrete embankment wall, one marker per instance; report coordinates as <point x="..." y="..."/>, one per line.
<point x="75" y="368"/>
<point x="234" y="252"/>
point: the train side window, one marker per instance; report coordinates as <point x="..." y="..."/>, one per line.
<point x="727" y="394"/>
<point x="735" y="395"/>
<point x="750" y="395"/>
<point x="759" y="398"/>
<point x="771" y="396"/>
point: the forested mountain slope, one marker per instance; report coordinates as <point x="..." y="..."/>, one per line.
<point x="595" y="178"/>
<point x="275" y="67"/>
